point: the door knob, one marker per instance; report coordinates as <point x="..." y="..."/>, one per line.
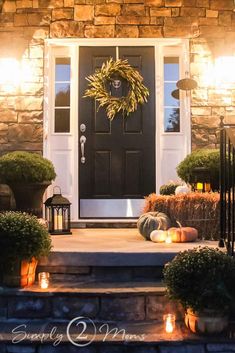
<point x="82" y="143"/>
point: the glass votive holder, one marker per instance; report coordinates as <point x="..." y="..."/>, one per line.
<point x="168" y="238"/>
<point x="169" y="323"/>
<point x="44" y="280"/>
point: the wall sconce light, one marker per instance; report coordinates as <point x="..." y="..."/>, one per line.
<point x="187" y="83"/>
<point x="10" y="74"/>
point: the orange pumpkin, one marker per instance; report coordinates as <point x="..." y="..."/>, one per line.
<point x="183" y="234"/>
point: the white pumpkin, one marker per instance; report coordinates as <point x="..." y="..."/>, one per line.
<point x="182" y="189"/>
<point x="158" y="236"/>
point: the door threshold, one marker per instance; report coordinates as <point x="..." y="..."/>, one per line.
<point x="105" y="223"/>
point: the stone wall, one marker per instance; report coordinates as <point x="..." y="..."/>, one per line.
<point x="25" y="24"/>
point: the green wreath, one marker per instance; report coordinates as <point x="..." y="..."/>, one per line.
<point x="97" y="88"/>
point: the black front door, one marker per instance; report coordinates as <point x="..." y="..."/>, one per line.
<point x="119" y="154"/>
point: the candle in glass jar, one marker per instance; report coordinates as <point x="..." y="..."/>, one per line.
<point x="169" y="321"/>
<point x="44" y="280"/>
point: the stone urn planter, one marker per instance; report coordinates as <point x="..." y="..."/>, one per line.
<point x="20" y="274"/>
<point x="24" y="239"/>
<point x="28" y="175"/>
<point x="207" y="322"/>
<point x="29" y="196"/>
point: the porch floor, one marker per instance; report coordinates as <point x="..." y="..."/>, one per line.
<point x="113" y="247"/>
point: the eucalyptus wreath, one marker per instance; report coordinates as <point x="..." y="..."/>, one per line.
<point x="97" y="88"/>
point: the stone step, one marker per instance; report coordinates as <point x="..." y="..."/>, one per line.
<point x="72" y="274"/>
<point x="137" y="301"/>
<point x="103" y="337"/>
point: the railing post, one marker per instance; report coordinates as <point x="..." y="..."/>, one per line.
<point x="227" y="186"/>
<point x="222" y="191"/>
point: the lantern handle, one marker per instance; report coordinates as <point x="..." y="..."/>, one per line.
<point x="54" y="190"/>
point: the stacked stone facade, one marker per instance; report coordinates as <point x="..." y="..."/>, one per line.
<point x="25" y="24"/>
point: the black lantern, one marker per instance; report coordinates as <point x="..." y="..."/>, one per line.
<point x="201" y="179"/>
<point x="57" y="210"/>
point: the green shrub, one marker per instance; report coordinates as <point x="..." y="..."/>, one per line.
<point x="169" y="188"/>
<point x="22" y="237"/>
<point x="209" y="158"/>
<point x="201" y="278"/>
<point x="198" y="210"/>
<point x="25" y="167"/>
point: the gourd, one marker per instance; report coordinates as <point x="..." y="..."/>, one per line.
<point x="182" y="189"/>
<point x="152" y="221"/>
<point x="182" y="234"/>
<point x="158" y="236"/>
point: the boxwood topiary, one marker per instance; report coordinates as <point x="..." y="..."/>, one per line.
<point x="201" y="279"/>
<point x="25" y="167"/>
<point x="22" y="237"/>
<point x="169" y="188"/>
<point x="209" y="158"/>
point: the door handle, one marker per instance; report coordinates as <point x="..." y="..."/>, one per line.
<point x="82" y="143"/>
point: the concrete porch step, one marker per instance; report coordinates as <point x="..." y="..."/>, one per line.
<point x="137" y="301"/>
<point x="103" y="337"/>
<point x="110" y="255"/>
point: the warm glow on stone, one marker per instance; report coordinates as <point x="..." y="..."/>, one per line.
<point x="224" y="71"/>
<point x="9" y="73"/>
<point x="220" y="75"/>
<point x="13" y="73"/>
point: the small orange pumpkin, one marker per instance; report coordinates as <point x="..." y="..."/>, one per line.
<point x="182" y="234"/>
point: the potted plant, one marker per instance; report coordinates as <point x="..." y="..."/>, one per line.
<point x="23" y="239"/>
<point x="28" y="175"/>
<point x="202" y="280"/>
<point x="206" y="158"/>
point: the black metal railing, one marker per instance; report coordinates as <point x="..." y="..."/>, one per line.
<point x="227" y="186"/>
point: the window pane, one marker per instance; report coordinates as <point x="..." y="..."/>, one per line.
<point x="62" y="94"/>
<point x="172" y="120"/>
<point x="62" y="120"/>
<point x="171" y="68"/>
<point x="168" y="99"/>
<point x="62" y="69"/>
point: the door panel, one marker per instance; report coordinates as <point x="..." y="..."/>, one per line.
<point x="98" y="127"/>
<point x="120" y="154"/>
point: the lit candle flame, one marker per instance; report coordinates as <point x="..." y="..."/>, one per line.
<point x="168" y="239"/>
<point x="169" y="325"/>
<point x="44" y="284"/>
<point x="44" y="280"/>
<point x="169" y="321"/>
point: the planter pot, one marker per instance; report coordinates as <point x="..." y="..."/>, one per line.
<point x="208" y="322"/>
<point x="28" y="196"/>
<point x="21" y="274"/>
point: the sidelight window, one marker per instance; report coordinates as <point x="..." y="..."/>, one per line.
<point x="171" y="104"/>
<point x="62" y="95"/>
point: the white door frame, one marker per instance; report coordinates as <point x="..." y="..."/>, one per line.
<point x="62" y="148"/>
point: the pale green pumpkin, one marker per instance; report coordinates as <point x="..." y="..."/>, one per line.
<point x="151" y="221"/>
